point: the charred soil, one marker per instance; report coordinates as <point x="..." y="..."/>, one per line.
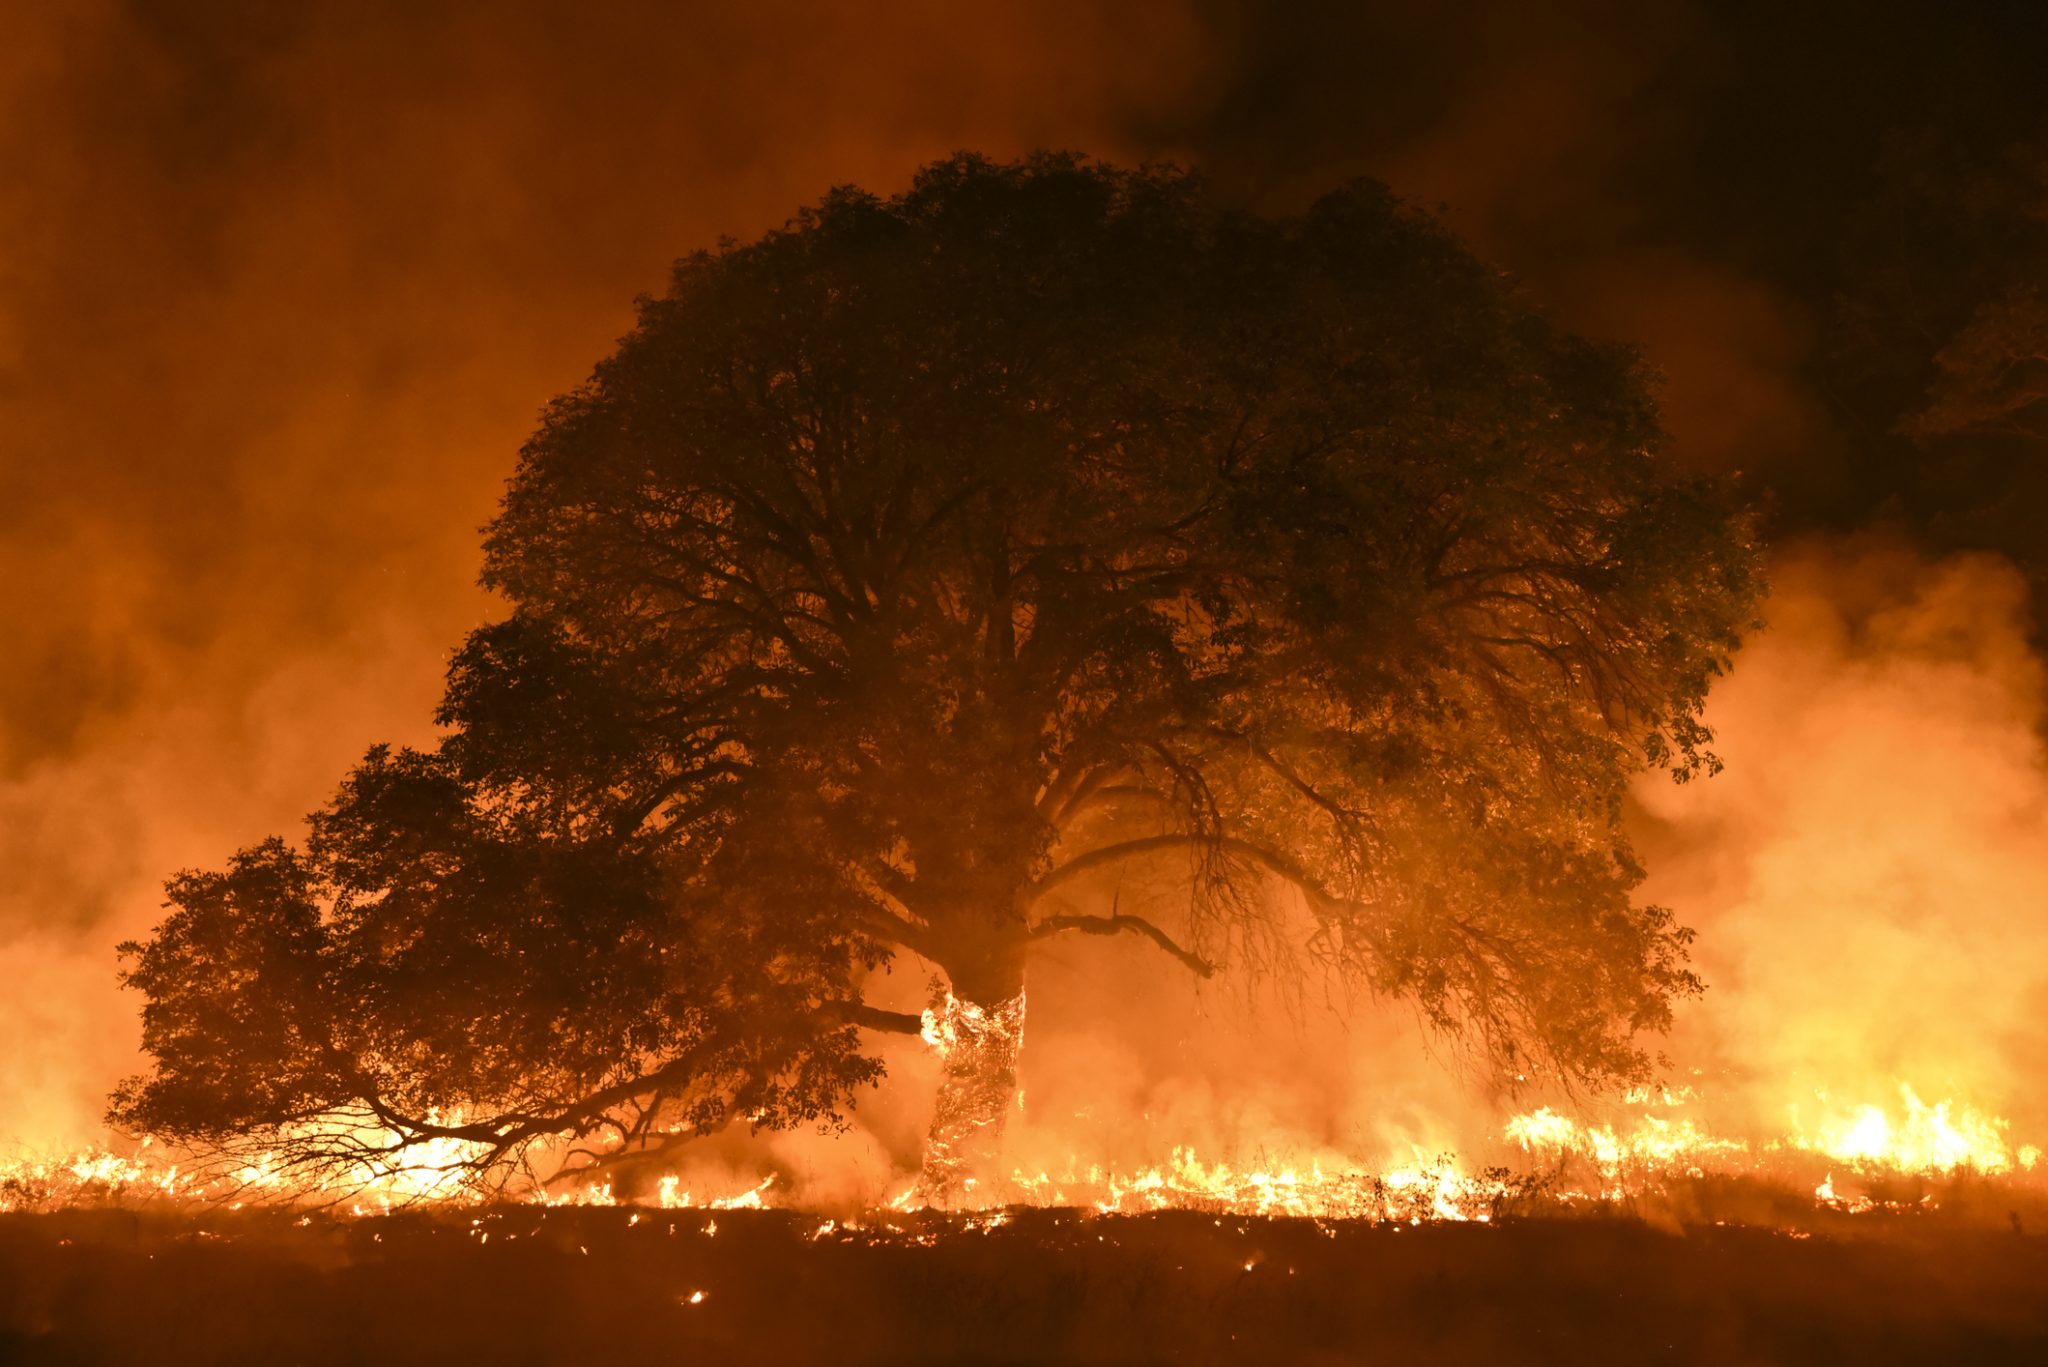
<point x="532" y="1285"/>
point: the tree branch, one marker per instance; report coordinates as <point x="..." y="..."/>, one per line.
<point x="875" y="1018"/>
<point x="1271" y="860"/>
<point x="1114" y="924"/>
<point x="886" y="914"/>
<point x="1111" y="794"/>
<point x="1112" y="854"/>
<point x="1060" y="795"/>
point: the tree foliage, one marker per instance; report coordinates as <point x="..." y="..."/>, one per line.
<point x="917" y="576"/>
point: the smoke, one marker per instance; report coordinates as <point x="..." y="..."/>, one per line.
<point x="284" y="290"/>
<point x="1127" y="1056"/>
<point x="1870" y="875"/>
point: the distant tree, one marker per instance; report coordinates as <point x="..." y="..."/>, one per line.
<point x="1992" y="376"/>
<point x="920" y="577"/>
<point x="1932" y="351"/>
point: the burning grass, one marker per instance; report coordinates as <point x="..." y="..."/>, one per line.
<point x="1913" y="1232"/>
<point x="1650" y="1242"/>
<point x="1853" y="1159"/>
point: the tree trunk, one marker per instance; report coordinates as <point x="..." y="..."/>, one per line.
<point x="977" y="1037"/>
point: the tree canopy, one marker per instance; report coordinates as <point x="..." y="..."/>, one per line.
<point x="922" y="576"/>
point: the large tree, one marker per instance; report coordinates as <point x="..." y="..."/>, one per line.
<point x="944" y="573"/>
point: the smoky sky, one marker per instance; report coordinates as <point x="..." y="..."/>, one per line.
<point x="283" y="287"/>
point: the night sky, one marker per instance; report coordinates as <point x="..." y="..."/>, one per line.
<point x="285" y="286"/>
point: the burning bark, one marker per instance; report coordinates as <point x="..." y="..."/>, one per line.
<point x="978" y="1048"/>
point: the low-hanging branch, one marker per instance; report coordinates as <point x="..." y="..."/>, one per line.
<point x="876" y="1018"/>
<point x="1106" y="855"/>
<point x="1116" y="924"/>
<point x="333" y="1139"/>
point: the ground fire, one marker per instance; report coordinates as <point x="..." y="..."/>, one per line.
<point x="1542" y="1160"/>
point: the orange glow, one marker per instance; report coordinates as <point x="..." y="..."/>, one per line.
<point x="1913" y="1139"/>
<point x="1918" y="1137"/>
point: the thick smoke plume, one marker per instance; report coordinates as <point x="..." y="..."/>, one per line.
<point x="1870" y="875"/>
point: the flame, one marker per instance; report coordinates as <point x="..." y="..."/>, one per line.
<point x="1654" y="1143"/>
<point x="977" y="1047"/>
<point x="1919" y="1138"/>
<point x="1913" y="1137"/>
<point x="1432" y="1188"/>
<point x="669" y="1195"/>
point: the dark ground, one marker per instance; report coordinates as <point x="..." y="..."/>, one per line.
<point x="585" y="1285"/>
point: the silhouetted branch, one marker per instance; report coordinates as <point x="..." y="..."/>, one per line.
<point x="875" y="1018"/>
<point x="1105" y="855"/>
<point x="1116" y="924"/>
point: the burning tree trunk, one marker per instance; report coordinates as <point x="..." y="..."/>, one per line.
<point x="978" y="1042"/>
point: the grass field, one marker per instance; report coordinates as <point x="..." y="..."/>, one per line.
<point x="581" y="1285"/>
